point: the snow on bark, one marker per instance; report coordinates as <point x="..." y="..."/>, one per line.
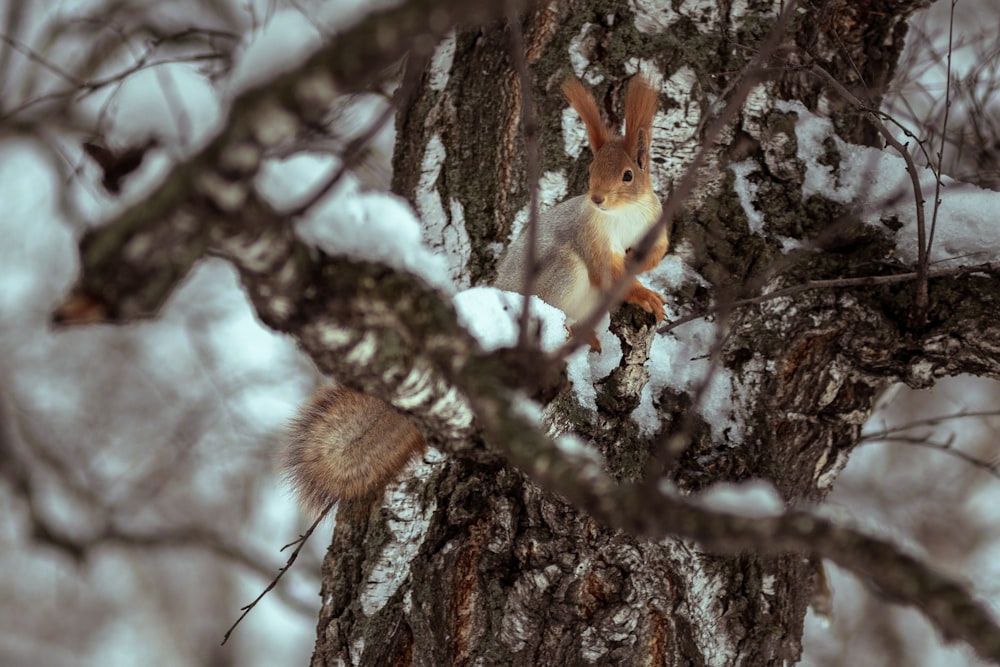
<point x="875" y="181"/>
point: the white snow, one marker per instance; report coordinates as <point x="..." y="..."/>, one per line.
<point x="379" y="227"/>
<point x="754" y="499"/>
<point x="746" y="191"/>
<point x="492" y="316"/>
<point x="678" y="360"/>
<point x="674" y="129"/>
<point x="172" y="102"/>
<point x="278" y="46"/>
<point x="440" y="69"/>
<point x="552" y="189"/>
<point x="653" y="16"/>
<point x="574" y="132"/>
<point x="578" y="51"/>
<point x="367" y="225"/>
<point x="877" y="183"/>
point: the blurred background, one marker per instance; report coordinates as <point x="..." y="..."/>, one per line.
<point x="137" y="464"/>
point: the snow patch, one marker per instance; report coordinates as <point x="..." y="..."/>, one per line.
<point x="552" y="187"/>
<point x="754" y="499"/>
<point x="377" y="227"/>
<point x="747" y="192"/>
<point x="172" y="102"/>
<point x="653" y="16"/>
<point x="278" y="46"/>
<point x="875" y="182"/>
<point x="679" y="360"/>
<point x="440" y="69"/>
<point x="579" y="50"/>
<point x="492" y="315"/>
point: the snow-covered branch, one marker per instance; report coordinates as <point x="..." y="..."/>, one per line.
<point x="132" y="263"/>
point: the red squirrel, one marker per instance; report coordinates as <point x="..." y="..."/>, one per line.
<point x="347" y="445"/>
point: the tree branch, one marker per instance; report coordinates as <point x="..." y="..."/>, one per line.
<point x="133" y="263"/>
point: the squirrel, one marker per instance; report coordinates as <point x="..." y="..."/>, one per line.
<point x="584" y="241"/>
<point x="345" y="445"/>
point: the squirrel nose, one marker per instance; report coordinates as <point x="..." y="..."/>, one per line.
<point x="597" y="199"/>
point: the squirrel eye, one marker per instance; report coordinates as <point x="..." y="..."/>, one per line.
<point x="627" y="176"/>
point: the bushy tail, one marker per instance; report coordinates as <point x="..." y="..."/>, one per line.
<point x="346" y="445"/>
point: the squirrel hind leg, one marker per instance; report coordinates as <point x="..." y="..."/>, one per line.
<point x="345" y="445"/>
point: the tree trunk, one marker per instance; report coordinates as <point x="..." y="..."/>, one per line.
<point x="469" y="562"/>
<point x="503" y="546"/>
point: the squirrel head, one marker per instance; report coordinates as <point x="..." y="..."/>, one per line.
<point x="619" y="173"/>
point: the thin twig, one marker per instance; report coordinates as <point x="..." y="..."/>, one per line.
<point x="864" y="281"/>
<point x="929" y="421"/>
<point x="944" y="447"/>
<point x="922" y="287"/>
<point x="752" y="74"/>
<point x="923" y="266"/>
<point x="31" y="54"/>
<point x="355" y="148"/>
<point x="529" y="125"/>
<point x="303" y="538"/>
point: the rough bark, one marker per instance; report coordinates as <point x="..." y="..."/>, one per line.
<point x="504" y="573"/>
<point x="505" y="550"/>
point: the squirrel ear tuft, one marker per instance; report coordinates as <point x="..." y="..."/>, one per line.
<point x="642" y="149"/>
<point x="583" y="102"/>
<point x="641" y="102"/>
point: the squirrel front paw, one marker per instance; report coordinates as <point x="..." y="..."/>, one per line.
<point x="647" y="299"/>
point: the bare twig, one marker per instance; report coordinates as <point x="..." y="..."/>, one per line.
<point x="922" y="286"/>
<point x="354" y="150"/>
<point x="920" y="301"/>
<point x="863" y="281"/>
<point x="931" y="421"/>
<point x="301" y="542"/>
<point x="529" y="125"/>
<point x="946" y="447"/>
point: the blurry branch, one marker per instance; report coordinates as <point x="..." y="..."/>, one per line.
<point x="79" y="543"/>
<point x="529" y="126"/>
<point x="28" y="52"/>
<point x="162" y="232"/>
<point x="355" y="150"/>
<point x="82" y="83"/>
<point x="752" y="74"/>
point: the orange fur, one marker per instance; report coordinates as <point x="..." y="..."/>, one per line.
<point x="650" y="301"/>
<point x="656" y="254"/>
<point x="583" y="102"/>
<point x="346" y="445"/>
<point x="641" y="101"/>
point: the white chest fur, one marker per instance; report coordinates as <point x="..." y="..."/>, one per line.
<point x="623" y="226"/>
